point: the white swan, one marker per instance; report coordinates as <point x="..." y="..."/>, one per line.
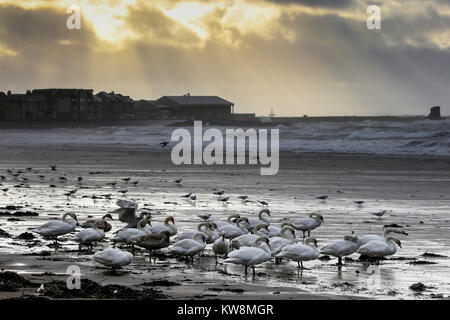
<point x="247" y="240"/>
<point x="113" y="257"/>
<point x="274" y="231"/>
<point x="251" y="256"/>
<point x="165" y="227"/>
<point x="101" y="223"/>
<point x="300" y="252"/>
<point x="221" y="224"/>
<point x="90" y="235"/>
<point x="379" y="249"/>
<point x="190" y="247"/>
<point x="233" y="231"/>
<point x="313" y="221"/>
<point x="129" y="235"/>
<point x="154" y="241"/>
<point x="277" y="243"/>
<point x="341" y="248"/>
<point x="222" y="246"/>
<point x="54" y="229"/>
<point x="374" y="237"/>
<point x="206" y="228"/>
<point x="127" y="213"/>
<point x="253" y="222"/>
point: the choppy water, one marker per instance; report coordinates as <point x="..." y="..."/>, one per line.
<point x="373" y="137"/>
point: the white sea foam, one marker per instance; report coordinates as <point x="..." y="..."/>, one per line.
<point x="376" y="137"/>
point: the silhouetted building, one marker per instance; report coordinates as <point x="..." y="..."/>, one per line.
<point x="435" y="113"/>
<point x="197" y="107"/>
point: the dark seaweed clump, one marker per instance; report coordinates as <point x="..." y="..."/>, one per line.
<point x="92" y="290"/>
<point x="11" y="281"/>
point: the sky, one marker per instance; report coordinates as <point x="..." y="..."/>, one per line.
<point x="314" y="57"/>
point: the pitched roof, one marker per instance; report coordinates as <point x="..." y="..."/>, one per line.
<point x="187" y="100"/>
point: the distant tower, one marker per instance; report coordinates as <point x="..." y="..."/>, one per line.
<point x="271" y="114"/>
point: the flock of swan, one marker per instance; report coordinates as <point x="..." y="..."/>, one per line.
<point x="239" y="240"/>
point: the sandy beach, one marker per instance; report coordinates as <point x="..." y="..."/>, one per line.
<point x="413" y="190"/>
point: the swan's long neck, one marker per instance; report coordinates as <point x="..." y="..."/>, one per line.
<point x="141" y="224"/>
<point x="261" y="243"/>
<point x="203" y="226"/>
<point x="198" y="237"/>
<point x="286" y="232"/>
<point x="388" y="231"/>
<point x="263" y="218"/>
<point x="231" y="217"/>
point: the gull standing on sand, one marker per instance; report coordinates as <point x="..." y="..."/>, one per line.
<point x="300" y="252"/>
<point x="251" y="256"/>
<point x="379" y="214"/>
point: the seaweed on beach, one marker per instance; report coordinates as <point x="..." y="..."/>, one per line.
<point x="92" y="290"/>
<point x="433" y="255"/>
<point x="11" y="281"/>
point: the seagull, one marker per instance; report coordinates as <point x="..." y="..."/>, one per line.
<point x="243" y="197"/>
<point x="359" y="202"/>
<point x="135" y="183"/>
<point x="164" y="143"/>
<point x="41" y="176"/>
<point x="123" y="191"/>
<point x="73" y="191"/>
<point x="220" y="193"/>
<point x="53" y="166"/>
<point x="193" y="198"/>
<point x="264" y="203"/>
<point x="224" y="199"/>
<point x="187" y="195"/>
<point x="62" y="179"/>
<point x="322" y="197"/>
<point x="178" y="181"/>
<point x="80" y="179"/>
<point x="29" y="169"/>
<point x="379" y="214"/>
<point x="126" y="179"/>
<point x="5" y="190"/>
<point x="205" y="216"/>
<point x="111" y="183"/>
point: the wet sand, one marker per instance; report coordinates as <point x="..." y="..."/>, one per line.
<point x="414" y="190"/>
